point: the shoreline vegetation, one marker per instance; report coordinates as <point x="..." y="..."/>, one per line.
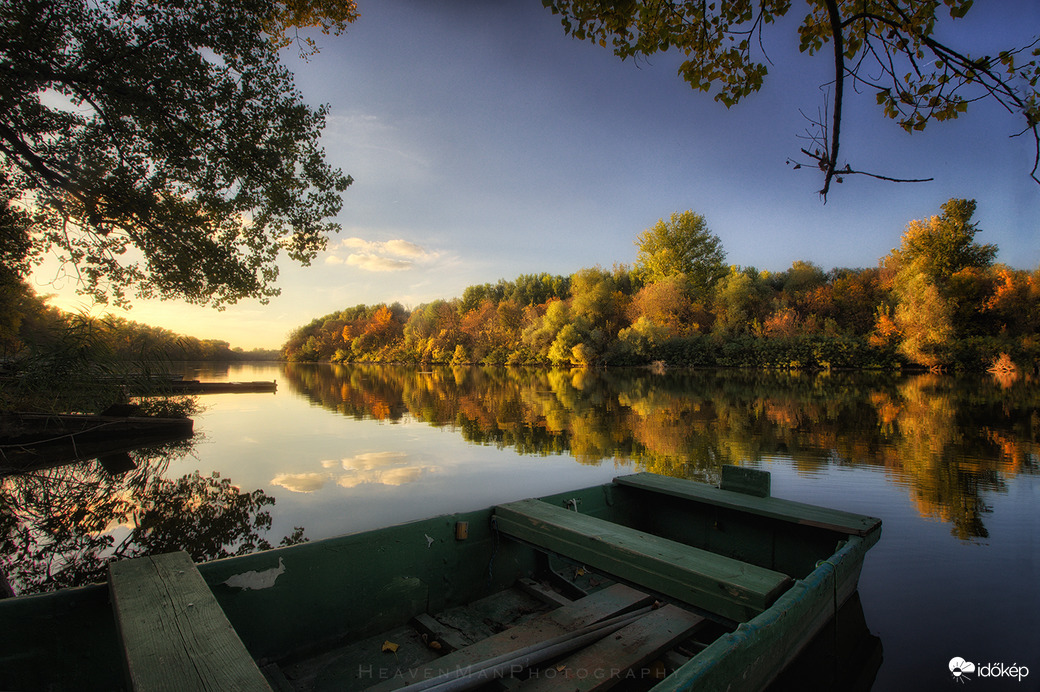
<point x="937" y="303"/>
<point x="52" y="361"/>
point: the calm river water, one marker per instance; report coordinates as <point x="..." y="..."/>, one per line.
<point x="951" y="465"/>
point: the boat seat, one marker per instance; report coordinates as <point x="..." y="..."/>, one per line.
<point x="174" y="634"/>
<point x="596" y="607"/>
<point x="715" y="583"/>
<point x="619" y="657"/>
<point x="770" y="507"/>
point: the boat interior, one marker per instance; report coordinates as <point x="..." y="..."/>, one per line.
<point x="623" y="585"/>
<point x="620" y="585"/>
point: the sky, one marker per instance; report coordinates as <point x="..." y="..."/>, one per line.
<point x="485" y="144"/>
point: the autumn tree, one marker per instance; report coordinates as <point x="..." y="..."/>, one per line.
<point x="1015" y="302"/>
<point x="944" y="244"/>
<point x="802" y="278"/>
<point x="385" y="326"/>
<point x="888" y="48"/>
<point x="849" y="299"/>
<point x="792" y="312"/>
<point x="683" y="245"/>
<point x="484" y="333"/>
<point x="924" y="317"/>
<point x="162" y="149"/>
<point x="931" y="253"/>
<point x="667" y="305"/>
<point x="424" y="324"/>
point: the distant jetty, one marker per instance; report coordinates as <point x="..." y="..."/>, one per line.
<point x="198" y="387"/>
<point x="157" y="385"/>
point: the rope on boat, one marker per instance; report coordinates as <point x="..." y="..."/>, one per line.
<point x="494" y="551"/>
<point x="61" y="436"/>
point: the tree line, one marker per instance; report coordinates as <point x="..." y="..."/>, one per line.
<point x="938" y="301"/>
<point x="30" y="327"/>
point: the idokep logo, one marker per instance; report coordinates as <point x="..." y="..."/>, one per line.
<point x="963" y="670"/>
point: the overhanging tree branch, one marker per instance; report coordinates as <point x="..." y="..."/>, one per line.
<point x="896" y="36"/>
<point x="183" y="122"/>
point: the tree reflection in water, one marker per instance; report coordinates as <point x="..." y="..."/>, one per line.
<point x="947" y="439"/>
<point x="59" y="527"/>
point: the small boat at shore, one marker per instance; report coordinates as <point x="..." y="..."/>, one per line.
<point x="649" y="581"/>
<point x="34" y="441"/>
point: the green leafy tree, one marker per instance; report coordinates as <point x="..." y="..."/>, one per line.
<point x="596" y="299"/>
<point x="888" y="48"/>
<point x="740" y="302"/>
<point x="682" y="245"/>
<point x="641" y="340"/>
<point x="561" y="352"/>
<point x="161" y="147"/>
<point x="541" y="332"/>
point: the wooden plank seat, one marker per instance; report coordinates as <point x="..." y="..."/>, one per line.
<point x="715" y="583"/>
<point x="770" y="507"/>
<point x="616" y="658"/>
<point x="174" y="633"/>
<point x="596" y="607"/>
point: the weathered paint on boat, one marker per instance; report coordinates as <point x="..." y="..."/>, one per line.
<point x="344" y="589"/>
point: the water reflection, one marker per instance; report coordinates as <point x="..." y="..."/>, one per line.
<point x="59" y="527"/>
<point x="384" y="468"/>
<point x="947" y="439"/>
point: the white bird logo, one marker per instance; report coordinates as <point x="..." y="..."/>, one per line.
<point x="254" y="580"/>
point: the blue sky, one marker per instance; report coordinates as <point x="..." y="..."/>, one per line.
<point x="486" y="144"/>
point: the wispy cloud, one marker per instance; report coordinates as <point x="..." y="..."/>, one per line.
<point x="371" y="141"/>
<point x="377" y="263"/>
<point x="383" y="468"/>
<point x="370" y="468"/>
<point x="301" y="482"/>
<point x="402" y="248"/>
<point x="381" y="256"/>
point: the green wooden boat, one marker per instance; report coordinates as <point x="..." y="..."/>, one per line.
<point x="649" y="581"/>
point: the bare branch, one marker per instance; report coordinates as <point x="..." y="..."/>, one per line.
<point x="839" y="92"/>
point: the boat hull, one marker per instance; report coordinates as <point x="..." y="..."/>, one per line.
<point x="314" y="597"/>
